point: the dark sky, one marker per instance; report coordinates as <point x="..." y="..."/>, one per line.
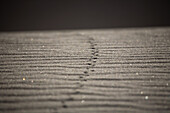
<point x="82" y="14"/>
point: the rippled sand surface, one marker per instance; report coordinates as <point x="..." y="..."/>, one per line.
<point x="85" y="71"/>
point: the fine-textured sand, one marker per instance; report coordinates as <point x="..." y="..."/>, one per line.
<point x="90" y="71"/>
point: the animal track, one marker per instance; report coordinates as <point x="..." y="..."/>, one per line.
<point x="94" y="54"/>
<point x="89" y="68"/>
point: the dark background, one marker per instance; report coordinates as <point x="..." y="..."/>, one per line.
<point x="82" y="14"/>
